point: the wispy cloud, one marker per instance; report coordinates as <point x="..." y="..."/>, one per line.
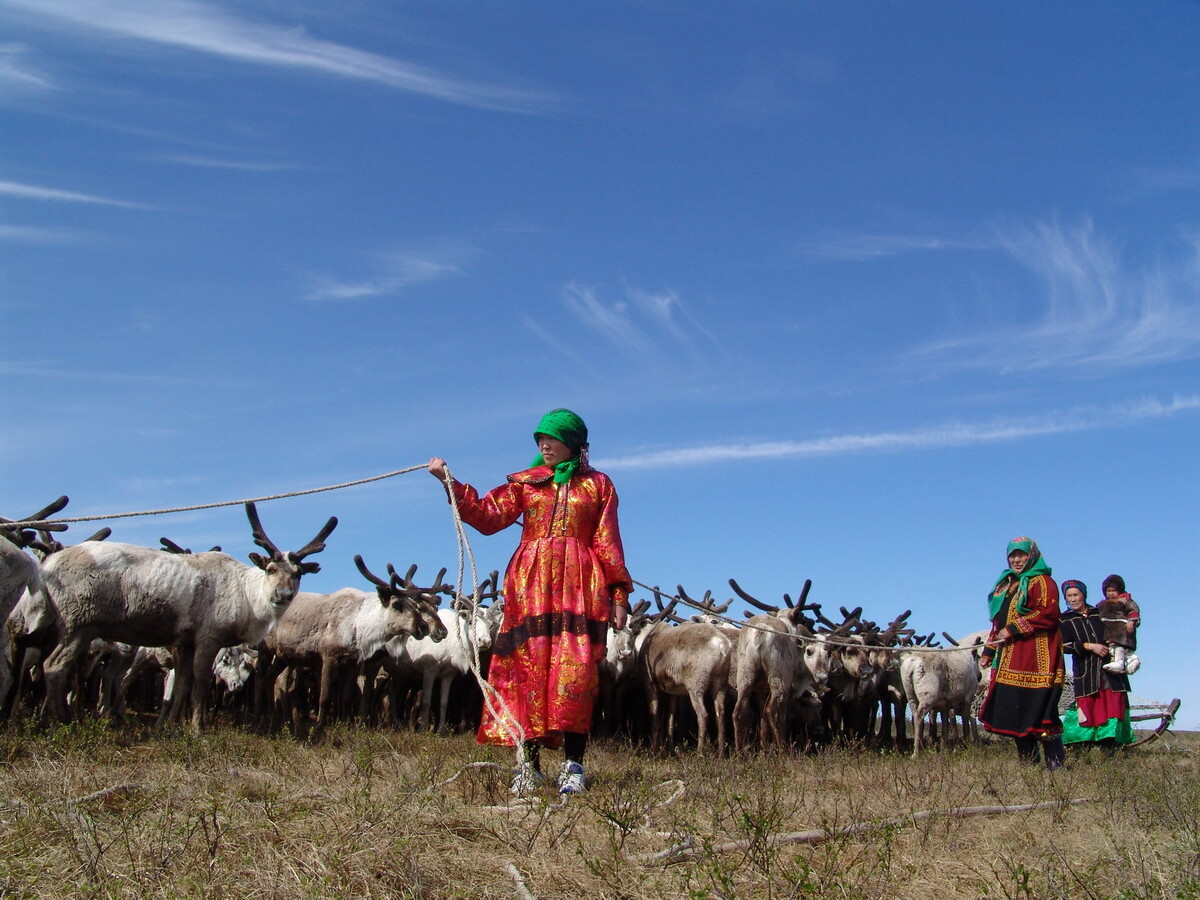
<point x="36" y="192"/>
<point x="640" y="321"/>
<point x="613" y="321"/>
<point x="24" y="234"/>
<point x="866" y="247"/>
<point x="1168" y="179"/>
<point x="206" y="28"/>
<point x="395" y="270"/>
<point x="209" y="162"/>
<point x="1097" y="313"/>
<point x="16" y="73"/>
<point x="935" y="437"/>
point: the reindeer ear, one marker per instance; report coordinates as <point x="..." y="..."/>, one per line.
<point x="309" y="568"/>
<point x="259" y="560"/>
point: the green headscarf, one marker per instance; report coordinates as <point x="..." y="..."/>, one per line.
<point x="1036" y="566"/>
<point x="566" y="426"/>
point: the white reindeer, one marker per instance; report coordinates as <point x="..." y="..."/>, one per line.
<point x="197" y="603"/>
<point x="940" y="681"/>
<point x="336" y="633"/>
<point x="616" y="670"/>
<point x="468" y="624"/>
<point x="769" y="663"/>
<point x="19" y="571"/>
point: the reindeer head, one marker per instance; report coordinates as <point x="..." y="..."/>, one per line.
<point x="416" y="607"/>
<point x="284" y="569"/>
<point x="480" y="624"/>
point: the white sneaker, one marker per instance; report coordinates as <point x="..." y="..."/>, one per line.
<point x="527" y="780"/>
<point x="1132" y="663"/>
<point x="571" y="779"/>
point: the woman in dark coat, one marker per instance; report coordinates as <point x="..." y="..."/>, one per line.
<point x="1024" y="650"/>
<point x="1100" y="714"/>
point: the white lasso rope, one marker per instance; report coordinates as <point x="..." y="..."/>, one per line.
<point x="502" y="716"/>
<point x="175" y="509"/>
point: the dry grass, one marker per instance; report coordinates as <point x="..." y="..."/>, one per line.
<point x="88" y="811"/>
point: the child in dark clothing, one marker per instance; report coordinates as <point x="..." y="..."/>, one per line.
<point x="1121" y="617"/>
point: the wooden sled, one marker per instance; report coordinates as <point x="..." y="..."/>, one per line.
<point x="1165" y="716"/>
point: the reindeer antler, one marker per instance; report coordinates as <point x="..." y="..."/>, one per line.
<point x="259" y="533"/>
<point x="664" y="612"/>
<point x="317" y="544"/>
<point x="753" y="601"/>
<point x="40" y="516"/>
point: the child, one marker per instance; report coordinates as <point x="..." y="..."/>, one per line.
<point x="1121" y="617"/>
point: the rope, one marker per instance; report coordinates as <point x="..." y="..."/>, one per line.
<point x="804" y="638"/>
<point x="176" y="509"/>
<point x="496" y="705"/>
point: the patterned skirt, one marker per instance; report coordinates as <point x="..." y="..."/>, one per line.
<point x="545" y="660"/>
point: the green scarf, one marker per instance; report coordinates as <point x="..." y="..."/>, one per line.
<point x="565" y="426"/>
<point x="1036" y="566"/>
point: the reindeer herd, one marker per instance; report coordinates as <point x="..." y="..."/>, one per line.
<point x="105" y="628"/>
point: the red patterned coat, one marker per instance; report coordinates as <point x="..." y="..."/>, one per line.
<point x="558" y="589"/>
<point x="1028" y="675"/>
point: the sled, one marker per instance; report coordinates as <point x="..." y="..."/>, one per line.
<point x="1164" y="714"/>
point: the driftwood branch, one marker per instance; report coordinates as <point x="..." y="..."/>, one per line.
<point x="687" y="850"/>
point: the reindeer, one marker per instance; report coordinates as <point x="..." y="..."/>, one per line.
<point x="196" y="603"/>
<point x="885" y="690"/>
<point x="616" y="670"/>
<point x="470" y="627"/>
<point x="770" y="664"/>
<point x="18" y="570"/>
<point x="336" y="633"/>
<point x="31" y="629"/>
<point x="692" y="660"/>
<point x="941" y="682"/>
<point x="848" y="665"/>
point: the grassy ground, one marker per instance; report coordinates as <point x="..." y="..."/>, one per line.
<point x="89" y="811"/>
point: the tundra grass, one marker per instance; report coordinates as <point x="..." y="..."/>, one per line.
<point x="90" y="810"/>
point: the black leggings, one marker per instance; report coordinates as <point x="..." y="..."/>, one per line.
<point x="1028" y="751"/>
<point x="574" y="746"/>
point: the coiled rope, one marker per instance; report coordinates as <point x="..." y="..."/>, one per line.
<point x="496" y="704"/>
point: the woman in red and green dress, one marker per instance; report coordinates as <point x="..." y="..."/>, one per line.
<point x="1025" y="653"/>
<point x="564" y="585"/>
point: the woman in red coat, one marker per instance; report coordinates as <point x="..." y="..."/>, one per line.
<point x="564" y="584"/>
<point x="1025" y="653"/>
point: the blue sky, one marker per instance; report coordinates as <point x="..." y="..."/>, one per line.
<point x="849" y="292"/>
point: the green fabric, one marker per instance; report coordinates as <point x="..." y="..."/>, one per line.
<point x="565" y="426"/>
<point x="1037" y="566"/>
<point x="1119" y="730"/>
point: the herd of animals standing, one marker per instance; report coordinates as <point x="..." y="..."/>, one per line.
<point x="89" y="626"/>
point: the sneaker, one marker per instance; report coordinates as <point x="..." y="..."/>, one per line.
<point x="527" y="780"/>
<point x="571" y="780"/>
<point x="1132" y="663"/>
